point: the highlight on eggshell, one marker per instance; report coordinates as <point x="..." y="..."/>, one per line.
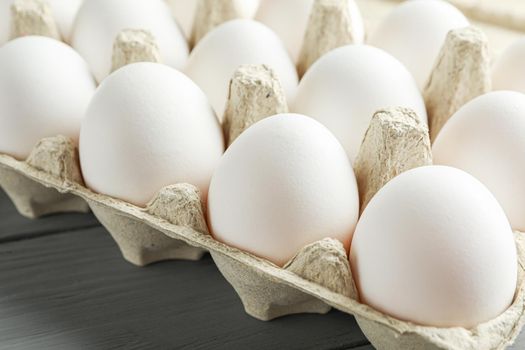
<point x="216" y="57"/>
<point x="184" y="11"/>
<point x="148" y="126"/>
<point x="509" y="70"/>
<point x="276" y="14"/>
<point x="435" y="248"/>
<point x="486" y="138"/>
<point x="45" y="88"/>
<point x="345" y="87"/>
<point x="94" y="34"/>
<point x="63" y="11"/>
<point x="283" y="183"/>
<point x="415" y="31"/>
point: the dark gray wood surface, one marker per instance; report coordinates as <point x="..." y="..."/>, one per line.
<point x="71" y="289"/>
<point x="14" y="226"/>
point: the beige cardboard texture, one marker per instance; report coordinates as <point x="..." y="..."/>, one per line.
<point x="33" y="200"/>
<point x="210" y="14"/>
<point x="255" y="93"/>
<point x="461" y="73"/>
<point x="319" y="277"/>
<point x="57" y="156"/>
<point x="32" y="17"/>
<point x="139" y="243"/>
<point x="397" y="140"/>
<point x="330" y="26"/>
<point x="134" y="45"/>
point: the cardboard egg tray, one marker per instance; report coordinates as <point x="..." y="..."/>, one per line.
<point x="173" y="225"/>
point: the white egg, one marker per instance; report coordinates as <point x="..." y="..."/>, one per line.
<point x="184" y="11"/>
<point x="64" y="12"/>
<point x="486" y="138"/>
<point x="434" y="247"/>
<point x="284" y="183"/>
<point x="148" y="126"/>
<point x="45" y="88"/>
<point x="415" y="31"/>
<point x="289" y="19"/>
<point x="345" y="87"/>
<point x="216" y="57"/>
<point x="99" y="22"/>
<point x="509" y="71"/>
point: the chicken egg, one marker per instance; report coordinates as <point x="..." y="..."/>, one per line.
<point x="291" y="28"/>
<point x="99" y="22"/>
<point x="284" y="183"/>
<point x="345" y="87"/>
<point x="434" y="247"/>
<point x="64" y="12"/>
<point x="486" y="138"/>
<point x="184" y="11"/>
<point x="148" y="126"/>
<point x="216" y="57"/>
<point x="415" y="31"/>
<point x="45" y="88"/>
<point x="509" y="71"/>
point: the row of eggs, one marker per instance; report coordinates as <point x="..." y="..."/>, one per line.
<point x="434" y="246"/>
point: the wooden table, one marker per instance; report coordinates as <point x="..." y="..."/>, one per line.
<point x="64" y="285"/>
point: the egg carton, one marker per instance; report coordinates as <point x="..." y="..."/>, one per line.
<point x="319" y="277"/>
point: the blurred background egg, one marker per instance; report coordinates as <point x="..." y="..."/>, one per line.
<point x="45" y="88"/>
<point x="345" y="87"/>
<point x="434" y="247"/>
<point x="289" y="19"/>
<point x="216" y="57"/>
<point x="148" y="126"/>
<point x="64" y="12"/>
<point x="486" y="138"/>
<point x="284" y="183"/>
<point x="509" y="70"/>
<point x="415" y="31"/>
<point x="184" y="11"/>
<point x="99" y="22"/>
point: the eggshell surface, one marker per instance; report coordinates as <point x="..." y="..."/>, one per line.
<point x="216" y="57"/>
<point x="184" y="11"/>
<point x="434" y="247"/>
<point x="284" y="183"/>
<point x="64" y="12"/>
<point x="345" y="87"/>
<point x="147" y="127"/>
<point x="509" y="70"/>
<point x="277" y="14"/>
<point x="486" y="138"/>
<point x="99" y="22"/>
<point x="415" y="31"/>
<point x="45" y="88"/>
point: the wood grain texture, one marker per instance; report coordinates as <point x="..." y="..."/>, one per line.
<point x="73" y="290"/>
<point x="14" y="226"/>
